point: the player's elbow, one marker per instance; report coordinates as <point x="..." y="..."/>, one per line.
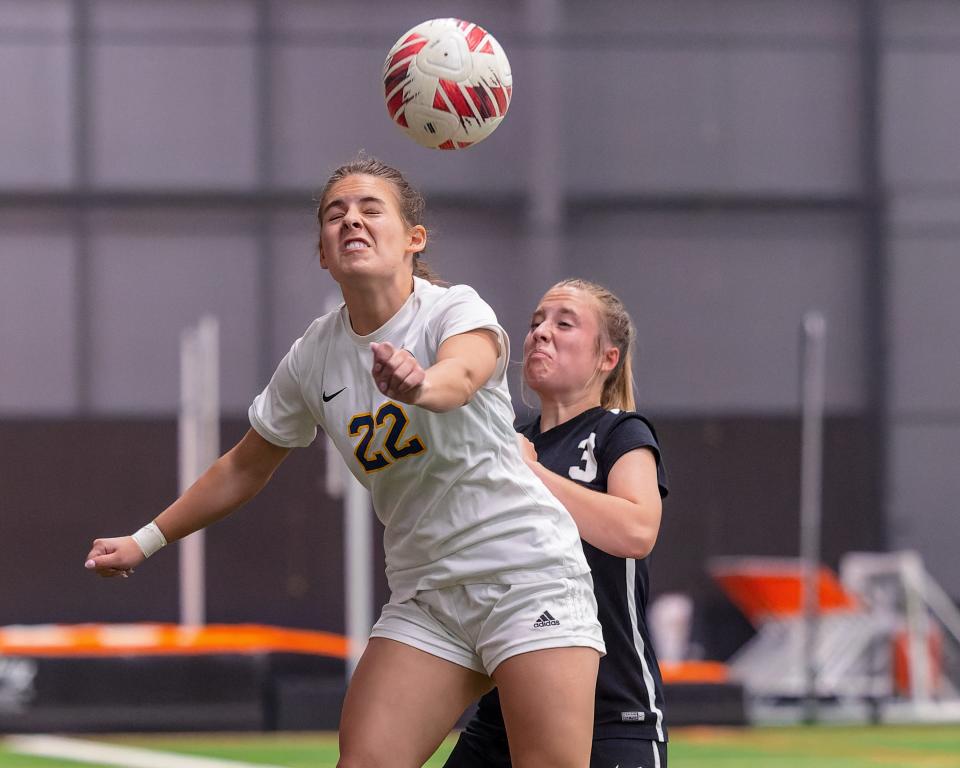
<point x="641" y="542"/>
<point x="641" y="535"/>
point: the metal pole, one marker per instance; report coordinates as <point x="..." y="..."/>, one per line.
<point x="918" y="628"/>
<point x="357" y="547"/>
<point x="813" y="377"/>
<point x="358" y="558"/>
<point x="199" y="446"/>
<point x="80" y="90"/>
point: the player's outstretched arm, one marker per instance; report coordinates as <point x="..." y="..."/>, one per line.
<point x="233" y="479"/>
<point x="465" y="363"/>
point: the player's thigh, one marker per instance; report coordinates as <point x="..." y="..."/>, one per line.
<point x="547" y="697"/>
<point x="636" y="753"/>
<point x="400" y="705"/>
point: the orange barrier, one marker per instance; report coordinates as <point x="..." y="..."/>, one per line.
<point x="694" y="672"/>
<point x="171" y="639"/>
<point x="774" y="589"/>
<point x="164" y="639"/>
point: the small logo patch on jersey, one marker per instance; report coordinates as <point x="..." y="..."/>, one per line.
<point x="633" y="717"/>
<point x="546" y="620"/>
<point x="327" y="398"/>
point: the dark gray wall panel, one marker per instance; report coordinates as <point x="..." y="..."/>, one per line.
<point x="36" y="123"/>
<point x="220" y="16"/>
<point x="173" y="115"/>
<point x="718" y="300"/>
<point x="919" y="214"/>
<point x="920" y="150"/>
<point x="732" y="19"/>
<point x="301" y="288"/>
<point x="925" y="317"/>
<point x="386" y="20"/>
<point x="154" y="275"/>
<point x="32" y="16"/>
<point x="37" y="272"/>
<point x="921" y="109"/>
<point x="914" y="21"/>
<point x="668" y="120"/>
<point x="924" y="490"/>
<point x="327" y="103"/>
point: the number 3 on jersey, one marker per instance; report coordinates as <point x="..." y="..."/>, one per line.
<point x="391" y="417"/>
<point x="586" y="473"/>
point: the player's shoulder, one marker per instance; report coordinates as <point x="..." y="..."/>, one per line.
<point x="309" y="351"/>
<point x="631" y="424"/>
<point x="320" y="327"/>
<point x="620" y="416"/>
<point x="455" y="308"/>
<point x="431" y="294"/>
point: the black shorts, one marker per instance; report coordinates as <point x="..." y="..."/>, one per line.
<point x="473" y="751"/>
<point x="628" y="752"/>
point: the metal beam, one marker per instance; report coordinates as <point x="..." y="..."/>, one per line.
<point x="875" y="236"/>
<point x="266" y="285"/>
<point x="80" y="89"/>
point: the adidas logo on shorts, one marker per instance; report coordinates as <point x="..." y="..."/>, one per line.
<point x="546" y="620"/>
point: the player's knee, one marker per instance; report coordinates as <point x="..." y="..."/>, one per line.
<point x="348" y="760"/>
<point x="362" y="757"/>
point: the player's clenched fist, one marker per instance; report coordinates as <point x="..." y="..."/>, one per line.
<point x="396" y="372"/>
<point x="527" y="451"/>
<point x="114" y="557"/>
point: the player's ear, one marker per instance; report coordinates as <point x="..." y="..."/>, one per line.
<point x="417" y="238"/>
<point x="323" y="258"/>
<point x="610" y="358"/>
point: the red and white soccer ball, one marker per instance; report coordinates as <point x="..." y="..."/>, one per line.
<point x="447" y="83"/>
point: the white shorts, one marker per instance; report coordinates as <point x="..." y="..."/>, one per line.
<point x="478" y="626"/>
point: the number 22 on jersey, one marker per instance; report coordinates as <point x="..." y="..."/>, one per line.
<point x="390" y="419"/>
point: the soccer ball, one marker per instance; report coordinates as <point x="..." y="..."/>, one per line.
<point x="447" y="83"/>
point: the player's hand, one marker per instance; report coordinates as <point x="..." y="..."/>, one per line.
<point x="114" y="557"/>
<point x="527" y="451"/>
<point x="396" y="372"/>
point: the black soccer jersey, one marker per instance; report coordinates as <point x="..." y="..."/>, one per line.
<point x="629" y="700"/>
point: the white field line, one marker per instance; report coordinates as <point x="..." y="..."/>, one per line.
<point x="83" y="751"/>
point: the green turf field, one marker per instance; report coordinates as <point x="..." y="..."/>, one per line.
<point x="817" y="747"/>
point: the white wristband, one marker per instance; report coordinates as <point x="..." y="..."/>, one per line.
<point x="150" y="539"/>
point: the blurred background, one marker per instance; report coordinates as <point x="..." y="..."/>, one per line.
<point x="723" y="165"/>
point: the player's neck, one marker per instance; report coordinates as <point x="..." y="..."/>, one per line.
<point x="372" y="304"/>
<point x="555" y="411"/>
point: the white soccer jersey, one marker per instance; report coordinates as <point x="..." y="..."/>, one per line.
<point x="458" y="503"/>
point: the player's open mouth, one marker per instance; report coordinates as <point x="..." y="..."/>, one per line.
<point x="353" y="245"/>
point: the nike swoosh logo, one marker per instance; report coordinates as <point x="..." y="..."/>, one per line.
<point x="327" y="398"/>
